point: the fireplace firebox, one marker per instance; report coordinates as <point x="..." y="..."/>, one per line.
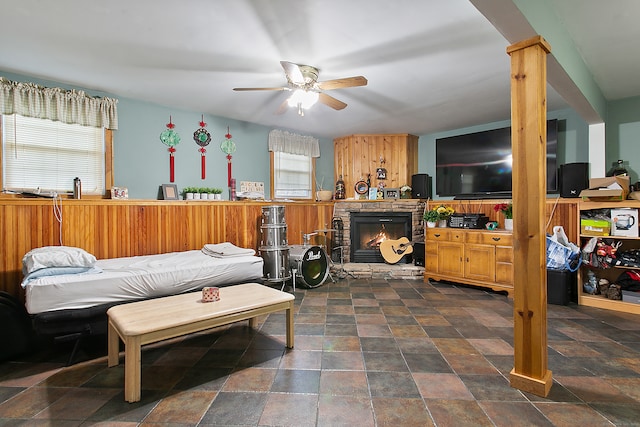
<point x="369" y="229"/>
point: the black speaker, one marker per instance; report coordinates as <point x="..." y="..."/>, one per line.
<point x="418" y="254"/>
<point x="421" y="186"/>
<point x="573" y="178"/>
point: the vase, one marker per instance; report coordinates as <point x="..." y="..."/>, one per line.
<point x="188" y="196"/>
<point x="442" y="223"/>
<point x="508" y="223"/>
<point x="431" y="224"/>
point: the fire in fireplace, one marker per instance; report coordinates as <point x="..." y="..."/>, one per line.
<point x="369" y="229"/>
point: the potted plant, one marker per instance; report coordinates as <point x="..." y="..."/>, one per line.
<point x="188" y="192"/>
<point x="507" y="211"/>
<point x="431" y="217"/>
<point x="217" y="193"/>
<point x="405" y="192"/>
<point x="444" y="212"/>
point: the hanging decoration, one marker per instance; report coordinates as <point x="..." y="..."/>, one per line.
<point x="228" y="147"/>
<point x="202" y="137"/>
<point x="170" y="138"/>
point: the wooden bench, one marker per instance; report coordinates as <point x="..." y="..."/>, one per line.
<point x="158" y="319"/>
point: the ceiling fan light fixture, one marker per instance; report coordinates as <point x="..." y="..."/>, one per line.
<point x="303" y="98"/>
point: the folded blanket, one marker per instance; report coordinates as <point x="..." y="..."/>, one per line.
<point x="226" y="249"/>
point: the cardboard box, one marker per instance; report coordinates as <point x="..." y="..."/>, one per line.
<point x="630" y="296"/>
<point x="595" y="227"/>
<point x="600" y="189"/>
<point x="624" y="222"/>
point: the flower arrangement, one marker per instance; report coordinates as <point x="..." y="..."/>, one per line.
<point x="505" y="208"/>
<point x="405" y="188"/>
<point x="438" y="213"/>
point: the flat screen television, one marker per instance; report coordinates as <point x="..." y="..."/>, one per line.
<point x="478" y="165"/>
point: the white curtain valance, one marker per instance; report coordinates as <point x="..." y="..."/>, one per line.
<point x="286" y="142"/>
<point x="67" y="106"/>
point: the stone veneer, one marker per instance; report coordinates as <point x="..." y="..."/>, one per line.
<point x="343" y="209"/>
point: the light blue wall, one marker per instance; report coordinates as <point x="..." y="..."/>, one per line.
<point x="623" y="129"/>
<point x="141" y="161"/>
<point x="573" y="137"/>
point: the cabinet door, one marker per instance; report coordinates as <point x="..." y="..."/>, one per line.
<point x="480" y="262"/>
<point x="431" y="256"/>
<point x="504" y="265"/>
<point x="450" y="259"/>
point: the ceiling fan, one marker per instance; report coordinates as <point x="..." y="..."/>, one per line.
<point x="303" y="81"/>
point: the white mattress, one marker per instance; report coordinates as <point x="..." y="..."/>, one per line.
<point x="140" y="277"/>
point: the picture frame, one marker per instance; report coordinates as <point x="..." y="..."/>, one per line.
<point x="169" y="192"/>
<point x="119" y="193"/>
<point x="391" y="193"/>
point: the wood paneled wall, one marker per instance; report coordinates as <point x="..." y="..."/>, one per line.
<point x="355" y="156"/>
<point x="118" y="228"/>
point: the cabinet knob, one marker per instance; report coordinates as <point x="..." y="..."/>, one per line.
<point x="496" y="238"/>
<point x="437" y="235"/>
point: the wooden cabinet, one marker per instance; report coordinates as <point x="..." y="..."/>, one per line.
<point x="356" y="156"/>
<point x="612" y="273"/>
<point x="474" y="257"/>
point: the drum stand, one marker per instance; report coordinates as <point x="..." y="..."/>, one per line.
<point x="342" y="273"/>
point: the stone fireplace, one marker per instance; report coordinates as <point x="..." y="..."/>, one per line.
<point x="411" y="208"/>
<point x="369" y="229"/>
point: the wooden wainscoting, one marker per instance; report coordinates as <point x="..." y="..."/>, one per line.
<point x="119" y="228"/>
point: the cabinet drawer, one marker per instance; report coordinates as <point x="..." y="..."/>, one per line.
<point x="441" y="234"/>
<point x="488" y="238"/>
<point x="504" y="254"/>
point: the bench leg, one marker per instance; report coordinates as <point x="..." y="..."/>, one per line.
<point x="290" y="326"/>
<point x="132" y="375"/>
<point x="113" y="346"/>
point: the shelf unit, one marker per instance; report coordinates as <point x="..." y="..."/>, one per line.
<point x="612" y="273"/>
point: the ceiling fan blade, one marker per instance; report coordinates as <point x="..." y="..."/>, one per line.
<point x="294" y="75"/>
<point x="340" y="83"/>
<point x="260" y="88"/>
<point x="331" y="101"/>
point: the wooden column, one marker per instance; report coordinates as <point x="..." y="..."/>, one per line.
<point x="528" y="140"/>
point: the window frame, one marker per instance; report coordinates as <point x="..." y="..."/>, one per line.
<point x="273" y="172"/>
<point x="108" y="168"/>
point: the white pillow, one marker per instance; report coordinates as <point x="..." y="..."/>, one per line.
<point x="56" y="256"/>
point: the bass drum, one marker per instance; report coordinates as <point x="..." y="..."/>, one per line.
<point x="311" y="264"/>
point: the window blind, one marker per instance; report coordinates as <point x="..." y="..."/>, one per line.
<point x="41" y="155"/>
<point x="292" y="177"/>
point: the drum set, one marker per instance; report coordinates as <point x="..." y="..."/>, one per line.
<point x="307" y="264"/>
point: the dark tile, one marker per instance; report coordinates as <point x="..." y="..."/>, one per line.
<point x="378" y="344"/>
<point x="427" y="363"/>
<point x="392" y="384"/>
<point x="235" y="409"/>
<point x="384" y="362"/>
<point x="459" y="413"/>
<point x="491" y="387"/>
<point x="296" y="381"/>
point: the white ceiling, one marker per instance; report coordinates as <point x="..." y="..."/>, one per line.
<point x="432" y="65"/>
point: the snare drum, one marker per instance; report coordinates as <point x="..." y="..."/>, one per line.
<point x="311" y="264"/>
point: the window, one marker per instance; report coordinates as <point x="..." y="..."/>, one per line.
<point x="41" y="155"/>
<point x="292" y="175"/>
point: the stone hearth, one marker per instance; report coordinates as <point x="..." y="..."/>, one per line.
<point x="343" y="210"/>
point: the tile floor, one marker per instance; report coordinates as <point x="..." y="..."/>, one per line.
<point x="368" y="352"/>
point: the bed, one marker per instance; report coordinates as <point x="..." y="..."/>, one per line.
<point x="68" y="291"/>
